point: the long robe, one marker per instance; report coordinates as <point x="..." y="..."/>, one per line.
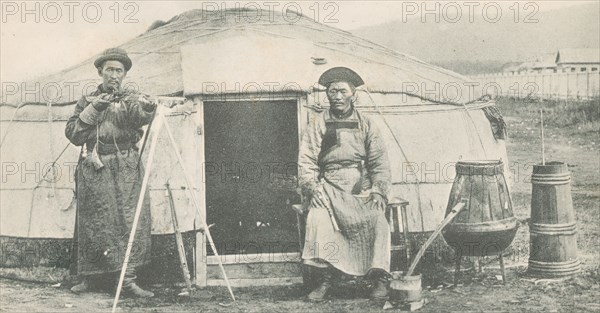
<point x="346" y="157"/>
<point x="107" y="197"/>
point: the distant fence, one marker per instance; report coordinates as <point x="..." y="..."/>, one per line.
<point x="571" y="86"/>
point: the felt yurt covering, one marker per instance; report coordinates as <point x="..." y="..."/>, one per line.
<point x="429" y="117"/>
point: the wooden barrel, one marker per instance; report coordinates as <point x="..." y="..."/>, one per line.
<point x="553" y="241"/>
<point x="487" y="225"/>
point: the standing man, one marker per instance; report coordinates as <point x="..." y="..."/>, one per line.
<point x="107" y="124"/>
<point x="342" y="158"/>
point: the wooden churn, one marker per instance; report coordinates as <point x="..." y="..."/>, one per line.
<point x="552" y="228"/>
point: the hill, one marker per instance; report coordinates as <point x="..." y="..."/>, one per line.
<point x="481" y="46"/>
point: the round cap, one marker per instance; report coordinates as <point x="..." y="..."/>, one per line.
<point x="340" y="74"/>
<point x="115" y="54"/>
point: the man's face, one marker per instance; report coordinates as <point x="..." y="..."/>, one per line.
<point x="340" y="96"/>
<point x="112" y="73"/>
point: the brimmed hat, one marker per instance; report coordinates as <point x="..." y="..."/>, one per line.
<point x="340" y="74"/>
<point x="116" y="54"/>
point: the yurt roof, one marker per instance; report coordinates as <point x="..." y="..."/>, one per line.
<point x="199" y="47"/>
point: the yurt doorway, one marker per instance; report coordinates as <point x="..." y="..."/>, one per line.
<point x="251" y="150"/>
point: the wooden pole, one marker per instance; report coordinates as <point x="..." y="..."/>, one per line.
<point x="457" y="269"/>
<point x="145" y="140"/>
<point x="195" y="201"/>
<point x="502" y="270"/>
<point x="178" y="239"/>
<point x="138" y="209"/>
<point x="542" y="135"/>
<point x="455" y="210"/>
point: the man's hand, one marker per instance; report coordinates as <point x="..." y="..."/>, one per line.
<point x="318" y="198"/>
<point x="148" y="104"/>
<point x="376" y="202"/>
<point x="100" y="102"/>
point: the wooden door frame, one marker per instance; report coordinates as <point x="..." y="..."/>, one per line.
<point x="201" y="259"/>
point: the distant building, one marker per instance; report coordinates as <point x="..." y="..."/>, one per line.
<point x="570" y="60"/>
<point x="525" y="67"/>
<point x="578" y="60"/>
<point x="511" y="67"/>
<point x="565" y="74"/>
<point x="544" y="64"/>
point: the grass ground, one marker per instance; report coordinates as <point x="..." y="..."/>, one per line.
<point x="571" y="138"/>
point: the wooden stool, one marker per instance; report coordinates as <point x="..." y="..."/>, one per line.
<point x="395" y="214"/>
<point x="300" y="222"/>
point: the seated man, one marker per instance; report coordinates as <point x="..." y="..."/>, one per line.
<point x="342" y="156"/>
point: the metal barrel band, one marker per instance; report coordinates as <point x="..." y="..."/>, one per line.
<point x="560" y="264"/>
<point x="488" y="170"/>
<point x="553" y="229"/>
<point x="564" y="175"/>
<point x="555" y="268"/>
<point x="551" y="183"/>
<point x="551" y="179"/>
<point x="483" y="227"/>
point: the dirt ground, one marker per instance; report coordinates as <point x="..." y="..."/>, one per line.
<point x="477" y="292"/>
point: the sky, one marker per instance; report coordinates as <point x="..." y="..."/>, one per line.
<point x="42" y="37"/>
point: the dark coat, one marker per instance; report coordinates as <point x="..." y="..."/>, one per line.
<point x="107" y="197"/>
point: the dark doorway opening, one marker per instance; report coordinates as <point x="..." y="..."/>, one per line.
<point x="251" y="151"/>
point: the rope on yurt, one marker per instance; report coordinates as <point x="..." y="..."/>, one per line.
<point x="377" y="62"/>
<point x="50" y="130"/>
<point x="38" y="186"/>
<point x="50" y="120"/>
<point x="476" y="130"/>
<point x="12" y="119"/>
<point x="403" y="154"/>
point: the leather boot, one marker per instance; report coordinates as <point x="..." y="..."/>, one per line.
<point x="380" y="290"/>
<point x="130" y="288"/>
<point x="133" y="290"/>
<point x="82" y="287"/>
<point x="319" y="293"/>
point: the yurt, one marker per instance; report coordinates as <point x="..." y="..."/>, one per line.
<point x="243" y="85"/>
